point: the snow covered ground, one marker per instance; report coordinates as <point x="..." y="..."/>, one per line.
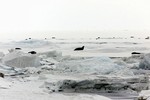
<point x="104" y="70"/>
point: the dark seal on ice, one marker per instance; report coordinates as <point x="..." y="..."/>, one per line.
<point x="79" y="48"/>
<point x="147" y="37"/>
<point x="135" y="53"/>
<point x="97" y="38"/>
<point x="32" y="52"/>
<point x="2" y="75"/>
<point x="17" y="48"/>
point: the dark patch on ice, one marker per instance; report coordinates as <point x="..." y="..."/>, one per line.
<point x="53" y="37"/>
<point x="132" y="37"/>
<point x="120" y="96"/>
<point x="135" y="43"/>
<point x="97" y="38"/>
<point x="103" y="43"/>
<point x="130" y="43"/>
<point x="102" y="85"/>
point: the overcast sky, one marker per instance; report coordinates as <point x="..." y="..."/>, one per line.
<point x="21" y="17"/>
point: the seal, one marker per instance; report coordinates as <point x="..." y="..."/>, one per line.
<point x="2" y="75"/>
<point x="17" y="48"/>
<point x="32" y="52"/>
<point x="135" y="53"/>
<point x="79" y="48"/>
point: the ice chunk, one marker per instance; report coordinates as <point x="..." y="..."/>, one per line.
<point x="52" y="54"/>
<point x="145" y="63"/>
<point x="20" y="59"/>
<point x="100" y="84"/>
<point x="2" y="54"/>
<point x="99" y="65"/>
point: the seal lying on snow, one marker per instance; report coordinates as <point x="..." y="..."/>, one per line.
<point x="79" y="48"/>
<point x="32" y="52"/>
<point x="17" y="48"/>
<point x="135" y="53"/>
<point x="2" y="75"/>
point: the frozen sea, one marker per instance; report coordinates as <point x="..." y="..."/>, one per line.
<point x="40" y="76"/>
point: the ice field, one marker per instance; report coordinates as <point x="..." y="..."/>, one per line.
<point x="104" y="70"/>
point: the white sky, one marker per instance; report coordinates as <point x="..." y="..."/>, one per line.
<point x="22" y="17"/>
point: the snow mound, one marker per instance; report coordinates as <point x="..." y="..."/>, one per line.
<point x="4" y="84"/>
<point x="145" y="94"/>
<point x="7" y="70"/>
<point x="98" y="65"/>
<point x="20" y="59"/>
